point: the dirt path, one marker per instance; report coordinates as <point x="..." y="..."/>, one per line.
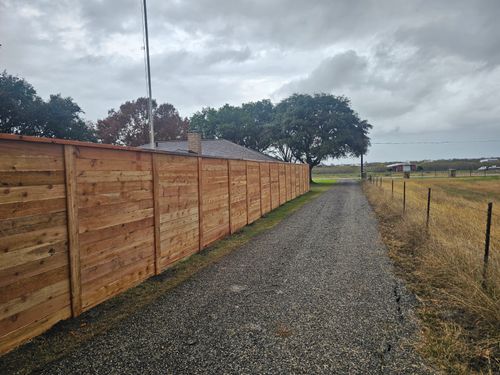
<point x="316" y="294"/>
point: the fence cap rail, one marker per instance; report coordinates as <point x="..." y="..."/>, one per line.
<point x="59" y="141"/>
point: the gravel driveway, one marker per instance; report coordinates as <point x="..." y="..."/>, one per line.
<point x="316" y="294"/>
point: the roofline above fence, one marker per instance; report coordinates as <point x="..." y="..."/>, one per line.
<point x="59" y="141"/>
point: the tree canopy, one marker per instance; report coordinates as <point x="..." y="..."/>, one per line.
<point x="248" y="125"/>
<point x="310" y="129"/>
<point x="303" y="128"/>
<point x="129" y="125"/>
<point x="22" y="111"/>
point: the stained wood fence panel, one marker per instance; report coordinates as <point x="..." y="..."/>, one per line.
<point x="288" y="178"/>
<point x="116" y="225"/>
<point x="275" y="186"/>
<point x="297" y="180"/>
<point x="265" y="188"/>
<point x="282" y="184"/>
<point x="253" y="191"/>
<point x="178" y="206"/>
<point x="80" y="223"/>
<point x="215" y="204"/>
<point x="238" y="194"/>
<point x="34" y="266"/>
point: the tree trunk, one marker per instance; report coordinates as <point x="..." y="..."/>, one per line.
<point x="310" y="173"/>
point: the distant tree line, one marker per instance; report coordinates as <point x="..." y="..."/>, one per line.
<point x="301" y="128"/>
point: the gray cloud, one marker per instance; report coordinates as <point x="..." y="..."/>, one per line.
<point x="412" y="68"/>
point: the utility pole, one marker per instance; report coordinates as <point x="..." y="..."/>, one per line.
<point x="148" y="66"/>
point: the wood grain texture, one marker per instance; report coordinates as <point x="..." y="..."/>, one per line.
<point x="117" y="191"/>
<point x="288" y="182"/>
<point x="178" y="207"/>
<point x="253" y="191"/>
<point x="80" y="224"/>
<point x="34" y="260"/>
<point x="73" y="233"/>
<point x="275" y="186"/>
<point x="156" y="213"/>
<point x="238" y="200"/>
<point x="215" y="207"/>
<point x="282" y="183"/>
<point x="265" y="188"/>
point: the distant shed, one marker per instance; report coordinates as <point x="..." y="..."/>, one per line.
<point x="402" y="167"/>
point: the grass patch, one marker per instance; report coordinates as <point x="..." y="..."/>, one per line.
<point x="324" y="181"/>
<point x="68" y="335"/>
<point x="340" y="176"/>
<point x="443" y="267"/>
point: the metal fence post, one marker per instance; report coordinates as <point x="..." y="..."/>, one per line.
<point x="404" y="196"/>
<point x="392" y="188"/>
<point x="428" y="207"/>
<point x="487" y="243"/>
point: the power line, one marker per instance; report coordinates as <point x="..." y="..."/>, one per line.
<point x="436" y="142"/>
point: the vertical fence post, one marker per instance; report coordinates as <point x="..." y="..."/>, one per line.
<point x="487" y="244"/>
<point x="392" y="188"/>
<point x="404" y="196"/>
<point x="73" y="233"/>
<point x="229" y="193"/>
<point x="156" y="211"/>
<point x="200" y="203"/>
<point x="428" y="207"/>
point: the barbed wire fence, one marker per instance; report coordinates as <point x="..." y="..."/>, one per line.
<point x="429" y="196"/>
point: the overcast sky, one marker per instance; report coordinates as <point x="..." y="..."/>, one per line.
<point x="418" y="70"/>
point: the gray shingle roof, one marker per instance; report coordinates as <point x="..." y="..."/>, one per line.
<point x="216" y="148"/>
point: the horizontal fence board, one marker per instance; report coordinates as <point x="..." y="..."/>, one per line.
<point x="127" y="220"/>
<point x="131" y="257"/>
<point x="34" y="277"/>
<point x="282" y="184"/>
<point x="178" y="205"/>
<point x="253" y="191"/>
<point x="265" y="189"/>
<point x="215" y="206"/>
<point x="238" y="186"/>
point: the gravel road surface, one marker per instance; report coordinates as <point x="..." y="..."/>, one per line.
<point x="316" y="294"/>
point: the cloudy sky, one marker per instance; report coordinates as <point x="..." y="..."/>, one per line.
<point x="418" y="70"/>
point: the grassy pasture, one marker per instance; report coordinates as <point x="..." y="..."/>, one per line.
<point x="444" y="265"/>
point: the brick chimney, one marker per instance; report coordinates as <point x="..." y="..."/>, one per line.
<point x="194" y="143"/>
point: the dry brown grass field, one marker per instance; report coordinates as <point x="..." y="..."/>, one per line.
<point x="443" y="265"/>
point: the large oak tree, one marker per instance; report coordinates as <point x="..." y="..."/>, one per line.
<point x="311" y="129"/>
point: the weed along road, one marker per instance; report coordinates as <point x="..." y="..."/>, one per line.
<point x="315" y="294"/>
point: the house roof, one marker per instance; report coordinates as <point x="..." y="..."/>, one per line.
<point x="215" y="148"/>
<point x="399" y="164"/>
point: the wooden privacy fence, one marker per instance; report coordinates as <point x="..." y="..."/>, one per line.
<point x="80" y="222"/>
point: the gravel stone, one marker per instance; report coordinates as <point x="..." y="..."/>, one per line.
<point x="314" y="295"/>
